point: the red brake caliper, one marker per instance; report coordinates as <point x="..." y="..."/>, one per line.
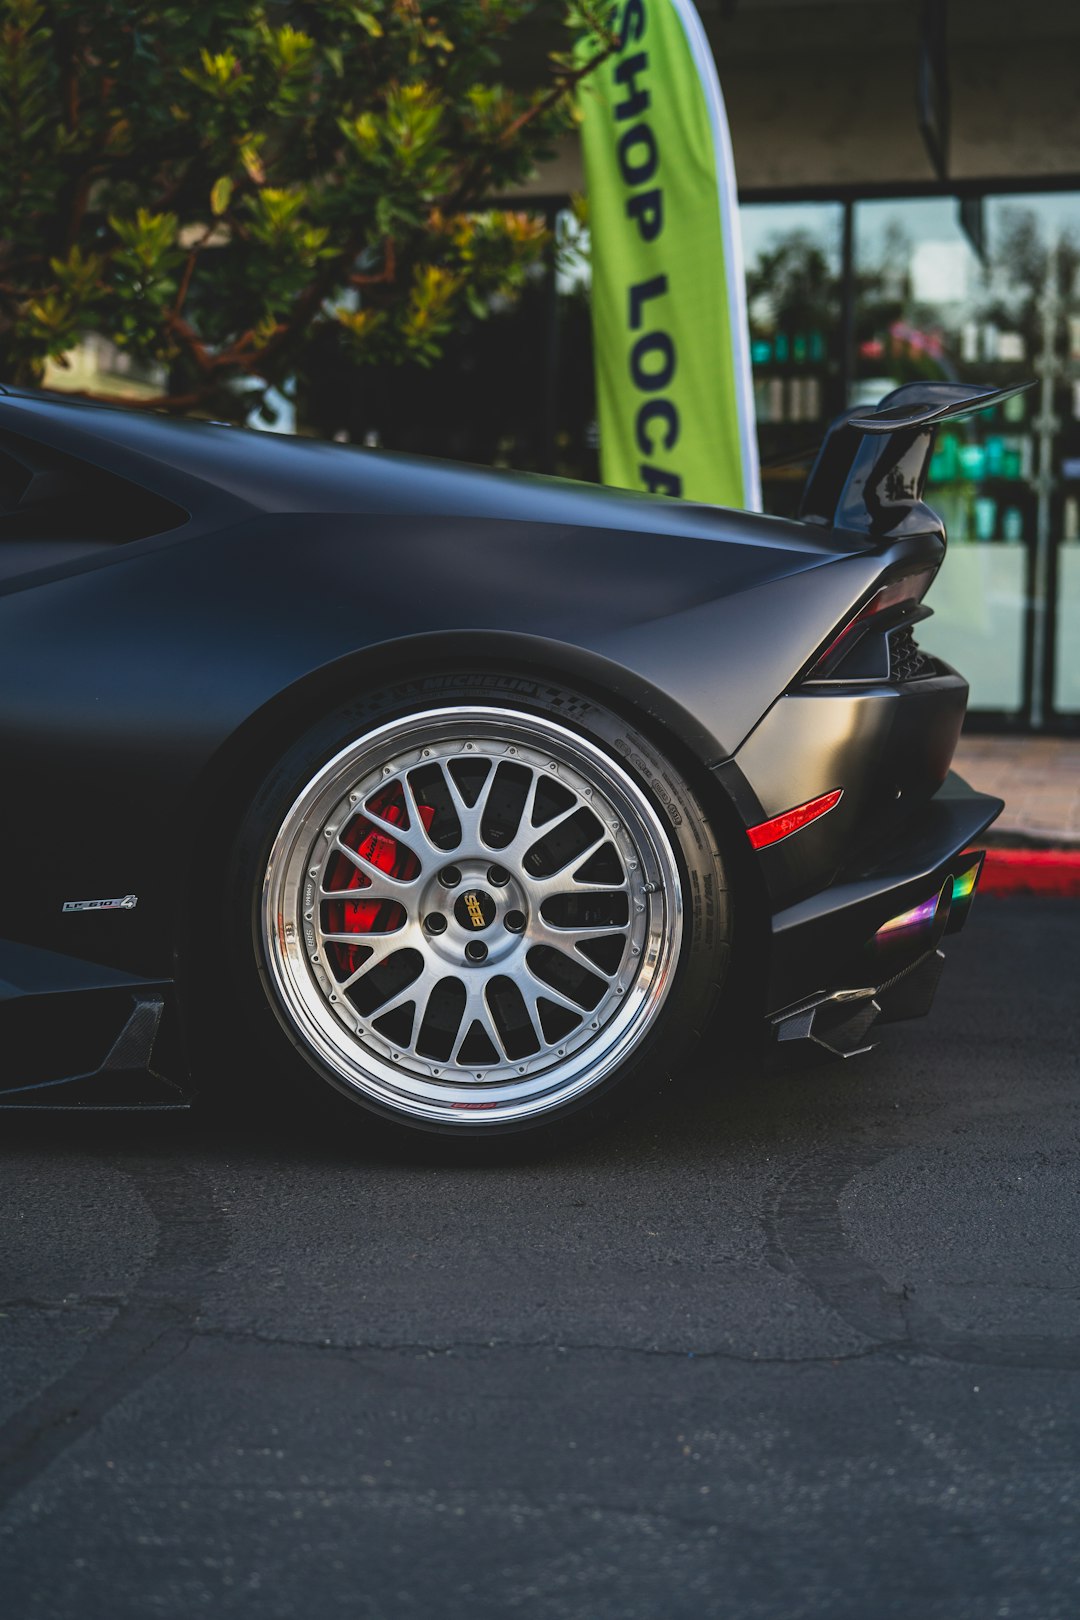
<point x="383" y="851"/>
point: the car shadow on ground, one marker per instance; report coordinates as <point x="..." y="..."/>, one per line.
<point x="709" y="1110"/>
<point x="725" y="1107"/>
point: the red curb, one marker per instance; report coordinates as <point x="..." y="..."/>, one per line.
<point x="1031" y="871"/>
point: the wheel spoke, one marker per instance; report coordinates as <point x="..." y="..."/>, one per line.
<point x="547" y="933"/>
<point x="475" y="920"/>
<point x="583" y="854"/>
<point x="567" y="940"/>
<point x="425" y="988"/>
<point x="416" y="821"/>
<point x="477" y="1012"/>
<point x="581" y="887"/>
<point x="468" y="817"/>
<point x="554" y="888"/>
<point x="528" y="836"/>
<point x="418" y="990"/>
<point x="537" y="987"/>
<point x="532" y="994"/>
<point x="381" y="947"/>
<point x="391" y="887"/>
<point x="529" y="806"/>
<point x="417" y="846"/>
<point x="484" y="796"/>
<point x="564" y="882"/>
<point x="356" y="937"/>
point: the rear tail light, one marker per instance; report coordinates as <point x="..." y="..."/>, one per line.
<point x="889" y="606"/>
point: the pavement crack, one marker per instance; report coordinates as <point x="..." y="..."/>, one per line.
<point x="532" y="1346"/>
<point x="151" y="1328"/>
<point x="806" y="1238"/>
<point x="66" y="1302"/>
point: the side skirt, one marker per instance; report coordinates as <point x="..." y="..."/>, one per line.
<point x="77" y="1036"/>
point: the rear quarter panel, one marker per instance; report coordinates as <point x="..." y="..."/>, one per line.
<point x="123" y="687"/>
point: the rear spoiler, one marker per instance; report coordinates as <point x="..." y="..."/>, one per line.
<point x="871" y="469"/>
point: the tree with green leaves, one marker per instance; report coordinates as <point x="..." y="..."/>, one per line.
<point x="212" y="186"/>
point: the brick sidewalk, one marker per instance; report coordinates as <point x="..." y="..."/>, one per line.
<point x="1039" y="779"/>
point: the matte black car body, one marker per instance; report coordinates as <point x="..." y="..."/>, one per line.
<point x="177" y="600"/>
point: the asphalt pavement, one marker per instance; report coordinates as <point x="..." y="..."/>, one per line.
<point x="799" y="1346"/>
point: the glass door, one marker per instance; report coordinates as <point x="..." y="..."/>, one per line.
<point x="793" y="258"/>
<point x="1007" y="605"/>
<point x="928" y="308"/>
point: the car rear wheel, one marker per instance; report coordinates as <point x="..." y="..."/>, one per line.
<point x="482" y="913"/>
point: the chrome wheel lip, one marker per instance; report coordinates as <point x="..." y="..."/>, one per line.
<point x="448" y="1094"/>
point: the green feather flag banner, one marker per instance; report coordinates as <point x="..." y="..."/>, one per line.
<point x="670" y="332"/>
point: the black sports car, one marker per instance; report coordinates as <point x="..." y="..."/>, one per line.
<point x="476" y="795"/>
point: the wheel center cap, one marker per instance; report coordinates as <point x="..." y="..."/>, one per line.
<point x="475" y="910"/>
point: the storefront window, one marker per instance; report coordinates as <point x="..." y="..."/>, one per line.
<point x="793" y="270"/>
<point x="1046" y="231"/>
<point x="929" y="305"/>
<point x="927" y="309"/>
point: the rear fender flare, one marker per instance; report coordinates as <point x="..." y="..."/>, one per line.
<point x="240" y="764"/>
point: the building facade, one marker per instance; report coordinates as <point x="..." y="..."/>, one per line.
<point x="909" y="177"/>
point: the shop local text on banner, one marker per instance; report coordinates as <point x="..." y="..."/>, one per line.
<point x="674" y="396"/>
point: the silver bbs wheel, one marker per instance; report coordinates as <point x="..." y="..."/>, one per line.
<point x="471" y="915"/>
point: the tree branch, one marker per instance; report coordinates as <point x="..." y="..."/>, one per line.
<point x="473" y="178"/>
<point x="197" y="349"/>
<point x="189" y="268"/>
<point x="561" y="88"/>
<point x="333" y="272"/>
<point x="386" y="274"/>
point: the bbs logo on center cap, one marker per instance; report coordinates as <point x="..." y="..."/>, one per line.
<point x="475" y="909"/>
